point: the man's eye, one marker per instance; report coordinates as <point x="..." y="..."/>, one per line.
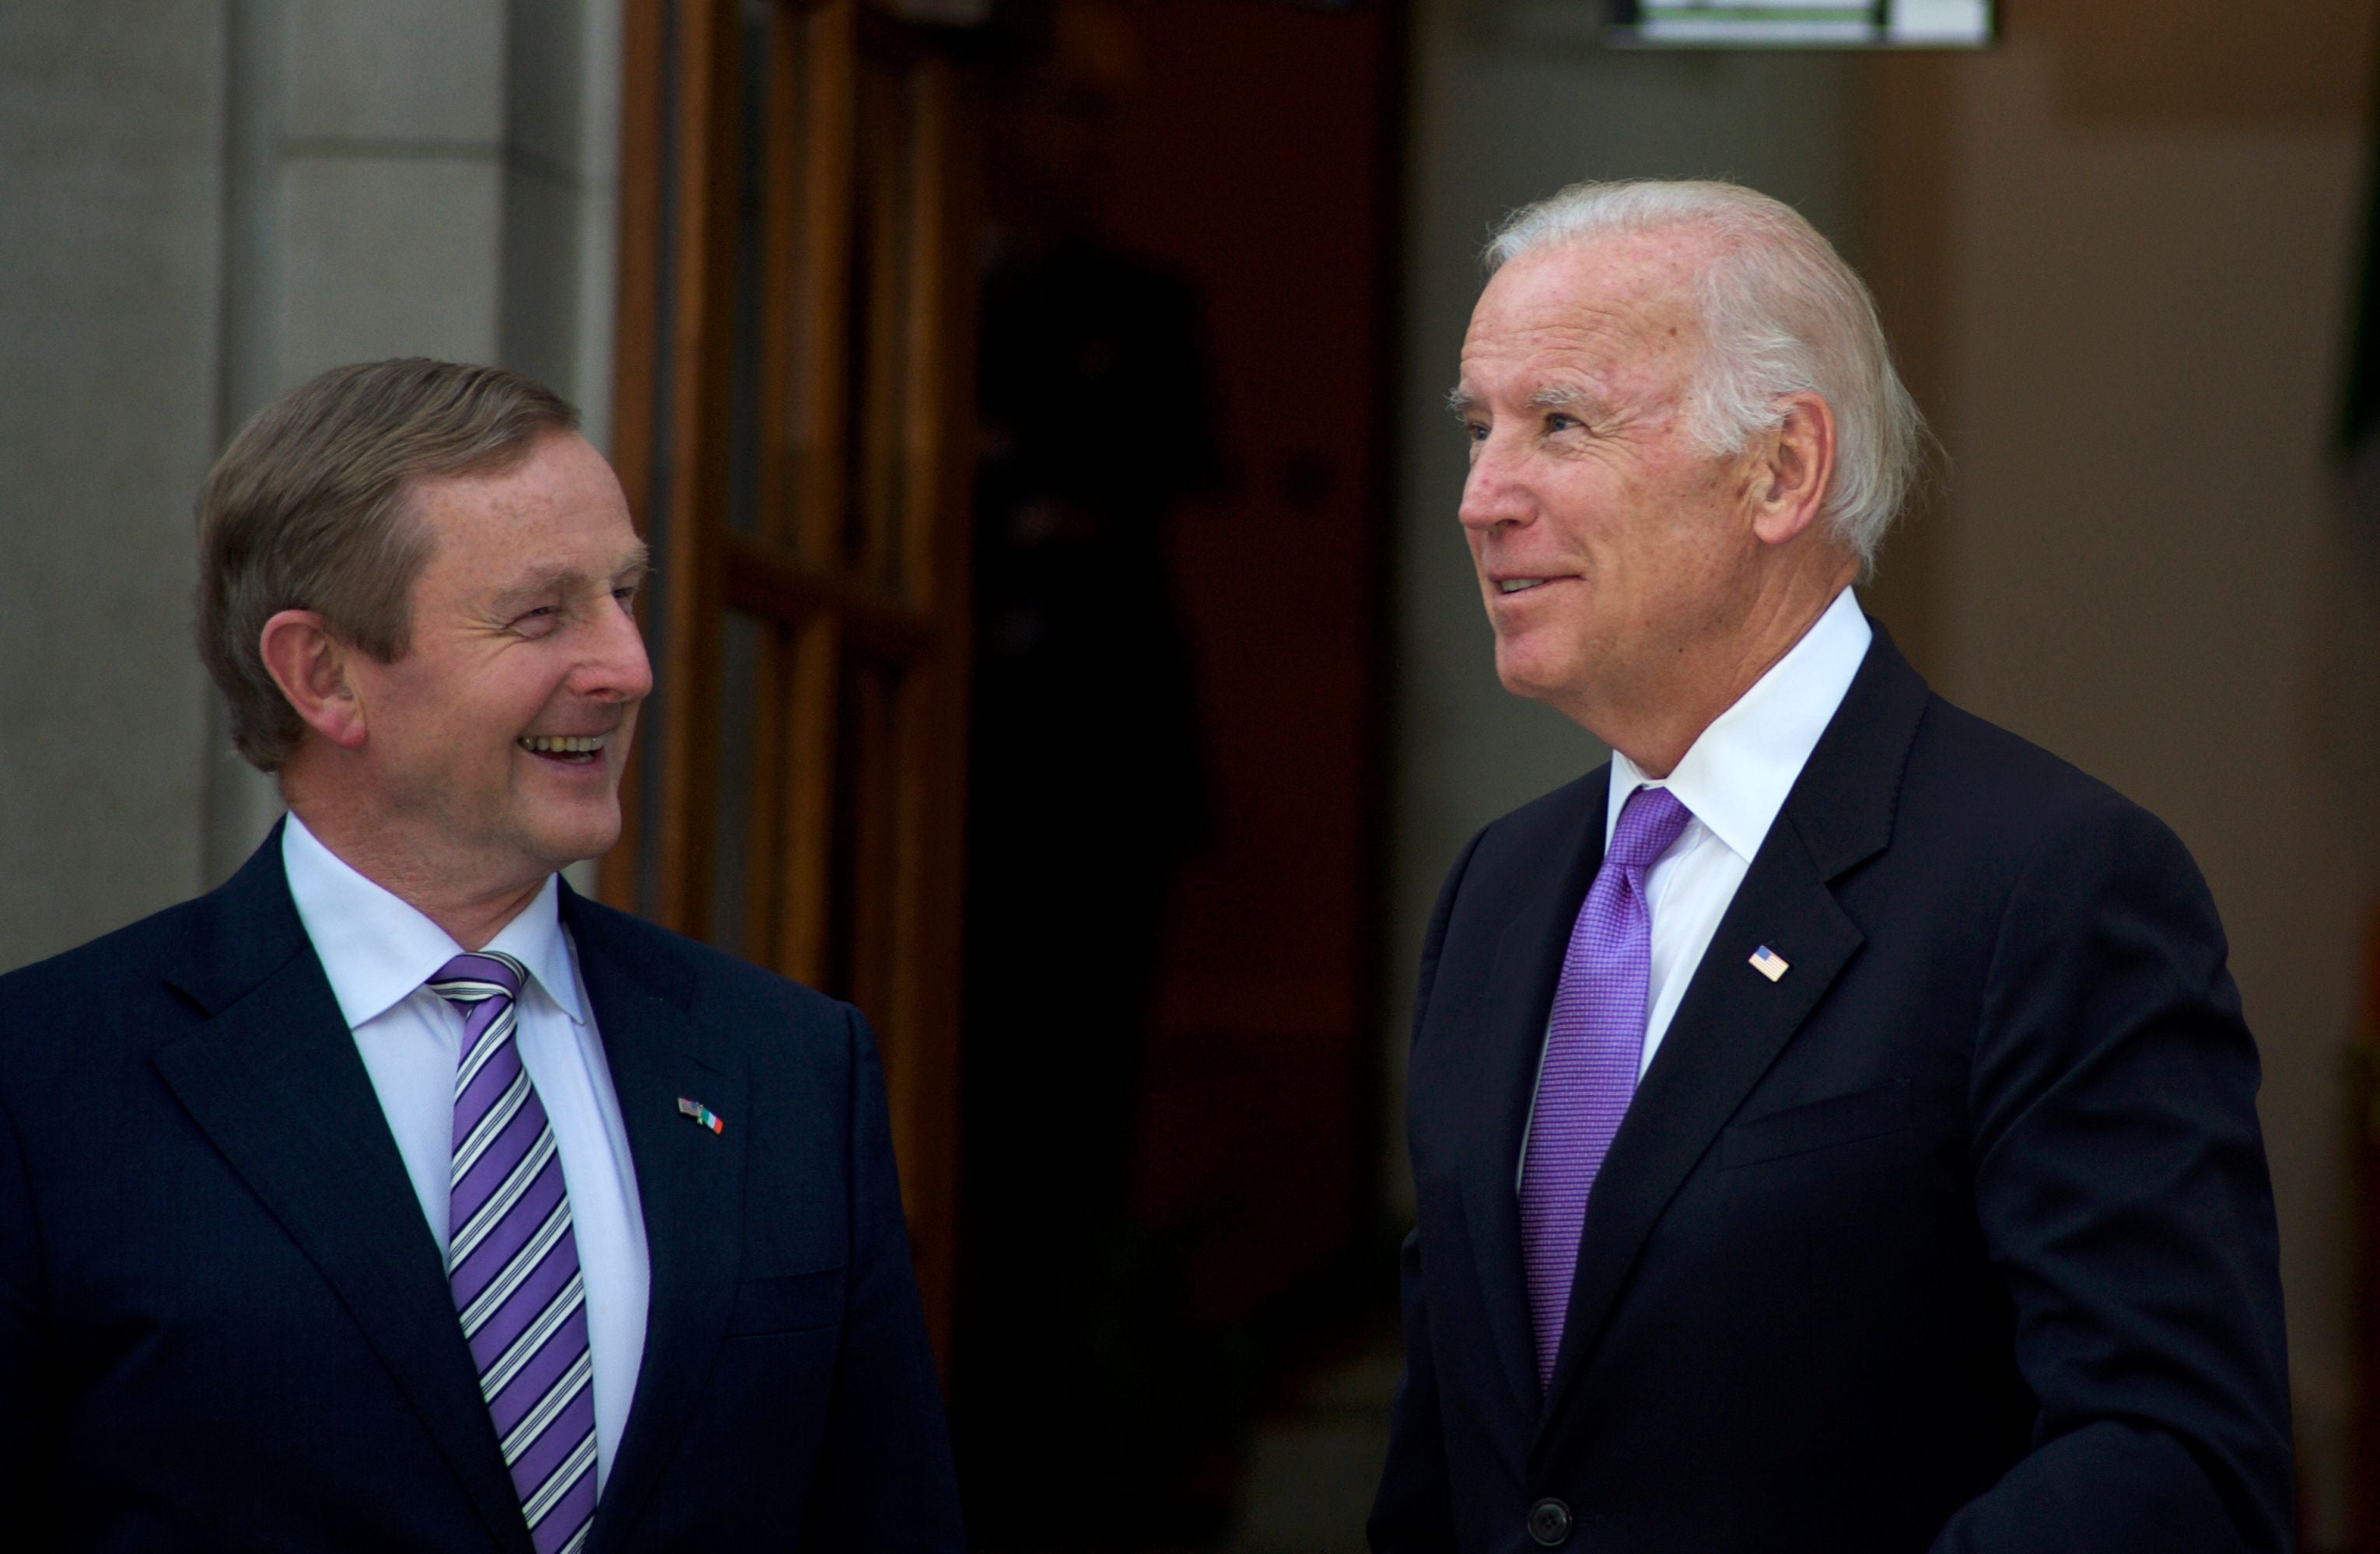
<point x="1557" y="422"/>
<point x="1475" y="430"/>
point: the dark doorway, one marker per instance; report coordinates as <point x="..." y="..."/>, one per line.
<point x="1170" y="1108"/>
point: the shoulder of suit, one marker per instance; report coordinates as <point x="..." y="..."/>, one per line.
<point x="1993" y="787"/>
<point x="1518" y="847"/>
<point x="1551" y="814"/>
<point x="694" y="974"/>
<point x="1987" y="807"/>
<point x="74" y="1024"/>
<point x="2004" y="782"/>
<point x="106" y="966"/>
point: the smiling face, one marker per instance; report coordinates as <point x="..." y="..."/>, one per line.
<point x="1612" y="551"/>
<point x="493" y="750"/>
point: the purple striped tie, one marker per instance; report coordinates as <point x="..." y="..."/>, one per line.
<point x="512" y="1261"/>
<point x="1594" y="1044"/>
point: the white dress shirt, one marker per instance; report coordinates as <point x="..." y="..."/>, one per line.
<point x="377" y="952"/>
<point x="1733" y="779"/>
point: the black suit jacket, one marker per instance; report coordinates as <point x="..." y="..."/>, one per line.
<point x="1958" y="1236"/>
<point x="223" y="1323"/>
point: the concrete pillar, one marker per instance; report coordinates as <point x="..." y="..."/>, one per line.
<point x="208" y="202"/>
<point x="111" y="119"/>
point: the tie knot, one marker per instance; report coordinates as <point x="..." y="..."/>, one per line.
<point x="1650" y="824"/>
<point x="477" y="976"/>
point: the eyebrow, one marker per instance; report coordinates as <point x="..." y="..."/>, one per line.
<point x="1462" y="402"/>
<point x="636" y="564"/>
<point x="1565" y="396"/>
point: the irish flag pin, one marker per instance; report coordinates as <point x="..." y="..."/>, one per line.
<point x="700" y="1114"/>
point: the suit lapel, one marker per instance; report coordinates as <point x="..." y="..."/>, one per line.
<point x="1731" y="1026"/>
<point x="274" y="1080"/>
<point x="1512" y="1024"/>
<point x="689" y="1182"/>
<point x="1733" y="1020"/>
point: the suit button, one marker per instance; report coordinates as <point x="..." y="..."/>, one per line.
<point x="1549" y="1524"/>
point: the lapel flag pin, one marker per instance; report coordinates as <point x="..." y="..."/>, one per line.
<point x="1765" y="960"/>
<point x="700" y="1114"/>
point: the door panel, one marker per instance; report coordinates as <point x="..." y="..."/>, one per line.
<point x="794" y="352"/>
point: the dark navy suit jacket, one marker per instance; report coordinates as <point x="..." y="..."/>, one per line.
<point x="223" y="1323"/>
<point x="1957" y="1236"/>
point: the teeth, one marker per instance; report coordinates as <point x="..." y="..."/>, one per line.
<point x="584" y="746"/>
<point x="1518" y="585"/>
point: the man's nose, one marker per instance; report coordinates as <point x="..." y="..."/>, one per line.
<point x="616" y="668"/>
<point x="1492" y="492"/>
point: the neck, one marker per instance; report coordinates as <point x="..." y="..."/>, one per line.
<point x="474" y="922"/>
<point x="1658" y="722"/>
<point x="461" y="897"/>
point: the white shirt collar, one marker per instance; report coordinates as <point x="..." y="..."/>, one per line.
<point x="377" y="949"/>
<point x="1735" y="776"/>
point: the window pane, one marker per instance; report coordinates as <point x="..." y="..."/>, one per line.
<point x="738" y="886"/>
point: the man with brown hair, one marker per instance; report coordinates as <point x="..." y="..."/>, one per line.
<point x="392" y="1195"/>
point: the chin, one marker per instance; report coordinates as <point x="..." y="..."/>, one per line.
<point x="577" y="838"/>
<point x="1529" y="675"/>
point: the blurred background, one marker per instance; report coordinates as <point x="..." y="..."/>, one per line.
<point x="1065" y="647"/>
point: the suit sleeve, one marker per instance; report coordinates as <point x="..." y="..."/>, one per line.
<point x="885" y="1485"/>
<point x="22" y="1381"/>
<point x="1413" y="1513"/>
<point x="2120" y="1183"/>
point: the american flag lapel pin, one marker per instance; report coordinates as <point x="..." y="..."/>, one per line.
<point x="701" y="1114"/>
<point x="1768" y="962"/>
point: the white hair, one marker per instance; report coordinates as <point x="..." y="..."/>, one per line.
<point x="1781" y="314"/>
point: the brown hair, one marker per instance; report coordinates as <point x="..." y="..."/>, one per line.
<point x="306" y="511"/>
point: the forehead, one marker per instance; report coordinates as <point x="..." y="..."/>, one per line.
<point x="1610" y="305"/>
<point x="558" y="505"/>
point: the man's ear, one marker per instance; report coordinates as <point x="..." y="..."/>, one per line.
<point x="1796" y="471"/>
<point x="310" y="667"/>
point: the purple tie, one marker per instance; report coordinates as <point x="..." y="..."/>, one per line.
<point x="1594" y="1043"/>
<point x="512" y="1261"/>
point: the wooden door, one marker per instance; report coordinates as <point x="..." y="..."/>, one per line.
<point x="1173" y="1077"/>
<point x="790" y="417"/>
<point x="1272" y="127"/>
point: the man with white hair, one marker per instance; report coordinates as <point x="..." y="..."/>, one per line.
<point x="1833" y="1126"/>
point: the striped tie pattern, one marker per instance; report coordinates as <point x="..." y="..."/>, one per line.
<point x="512" y="1261"/>
<point x="1595" y="1042"/>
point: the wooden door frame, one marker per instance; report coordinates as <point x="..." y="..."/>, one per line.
<point x="684" y="114"/>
